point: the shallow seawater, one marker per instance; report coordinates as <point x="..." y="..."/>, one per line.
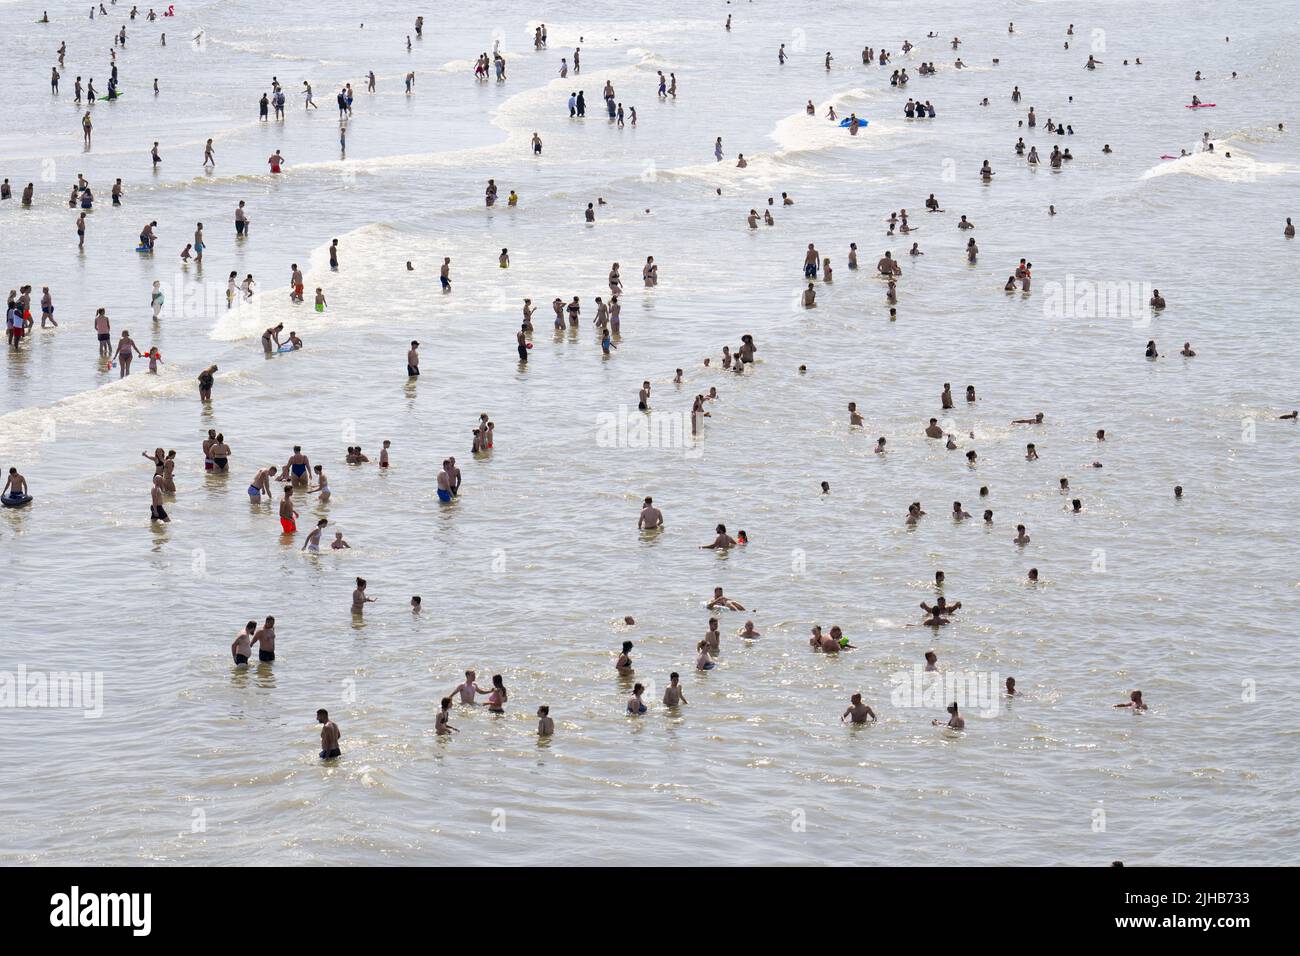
<point x="530" y="573"/>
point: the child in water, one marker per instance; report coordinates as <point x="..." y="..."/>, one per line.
<point x="320" y="300"/>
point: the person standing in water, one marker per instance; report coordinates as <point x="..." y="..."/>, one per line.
<point x="329" y="736"/>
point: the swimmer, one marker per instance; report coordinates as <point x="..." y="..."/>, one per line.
<point x="940" y="609"/>
<point x="323" y="488"/>
<point x="338" y="544"/>
<point x="1135" y="701"/>
<point x="703" y="660"/>
<point x="1036" y="420"/>
<point x="264" y="638"/>
<point x="723" y="541"/>
<point x="651" y="517"/>
<point x="241" y="649"/>
<point x="313" y="539"/>
<point x="468" y="688"/>
<point x="635" y="705"/>
<point x="624" y="663"/>
<point x="329" y="736"/>
<point x="720" y="600"/>
<point x="854" y="418"/>
<point x="713" y="636"/>
<point x="955" y="721"/>
<point x="748" y="633"/>
<point x="360" y="599"/>
<point x="1022" y="537"/>
<point x="442" y="722"/>
<point x="545" y="725"/>
<point x="858" y="711"/>
<point x="673" y="695"/>
<point x="261" y="484"/>
<point x="1187" y="351"/>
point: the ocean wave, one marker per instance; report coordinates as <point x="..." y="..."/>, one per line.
<point x="29" y="428"/>
<point x="1220" y="167"/>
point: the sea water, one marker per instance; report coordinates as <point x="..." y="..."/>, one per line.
<point x="531" y="572"/>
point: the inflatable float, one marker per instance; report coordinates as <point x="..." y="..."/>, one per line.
<point x="16" y="501"/>
<point x="1198" y="106"/>
<point x="845" y="122"/>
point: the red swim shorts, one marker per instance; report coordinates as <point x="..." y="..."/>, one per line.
<point x="288" y="525"/>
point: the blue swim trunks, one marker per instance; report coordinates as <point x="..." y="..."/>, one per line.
<point x="444" y="496"/>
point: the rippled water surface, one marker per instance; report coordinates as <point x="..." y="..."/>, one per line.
<point x="531" y="572"/>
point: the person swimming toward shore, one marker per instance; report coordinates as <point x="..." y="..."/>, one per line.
<point x="720" y="600"/>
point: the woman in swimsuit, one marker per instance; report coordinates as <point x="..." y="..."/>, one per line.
<point x="497" y="699"/>
<point x="219" y="452"/>
<point x="158" y="459"/>
<point x="168" y="472"/>
<point x="634" y="704"/>
<point x="126" y="350"/>
<point x="298" y="466"/>
<point x="323" y="489"/>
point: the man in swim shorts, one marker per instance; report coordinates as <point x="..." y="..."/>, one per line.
<point x="241" y="648"/>
<point x="329" y="736"/>
<point x="156" y="510"/>
<point x="261" y="484"/>
<point x="287" y="515"/>
<point x="413" y="360"/>
<point x="651" y="517"/>
<point x="15" y="486"/>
